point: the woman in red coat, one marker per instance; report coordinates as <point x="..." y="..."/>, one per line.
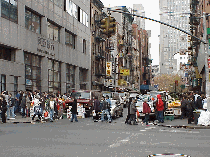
<point x="146" y="111"/>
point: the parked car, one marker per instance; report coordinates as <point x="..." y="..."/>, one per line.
<point x="116" y="109"/>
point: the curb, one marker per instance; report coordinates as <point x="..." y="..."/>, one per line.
<point x="184" y="126"/>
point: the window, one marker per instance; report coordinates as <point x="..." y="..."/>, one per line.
<point x="82" y="78"/>
<point x="70" y="78"/>
<point x="3" y="82"/>
<point x="54" y="76"/>
<point x="9" y="10"/>
<point x="32" y="21"/>
<point x="53" y="31"/>
<point x="71" y="8"/>
<point x="84" y="46"/>
<point x="180" y="57"/>
<point x="32" y="71"/>
<point x="15" y="85"/>
<point x="7" y="54"/>
<point x="70" y="39"/>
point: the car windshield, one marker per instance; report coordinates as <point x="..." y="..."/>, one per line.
<point x="84" y="95"/>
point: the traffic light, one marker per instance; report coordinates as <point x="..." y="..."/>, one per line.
<point x="111" y="26"/>
<point x="104" y="25"/>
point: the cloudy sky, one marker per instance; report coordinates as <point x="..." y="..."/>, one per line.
<point x="151" y="8"/>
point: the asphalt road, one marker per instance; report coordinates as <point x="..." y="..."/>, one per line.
<point x="87" y="138"/>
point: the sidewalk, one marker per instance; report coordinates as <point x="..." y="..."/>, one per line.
<point x="181" y="123"/>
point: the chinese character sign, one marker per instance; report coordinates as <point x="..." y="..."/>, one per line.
<point x="108" y="68"/>
<point x="124" y="72"/>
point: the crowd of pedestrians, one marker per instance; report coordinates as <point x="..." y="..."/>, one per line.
<point x="21" y="103"/>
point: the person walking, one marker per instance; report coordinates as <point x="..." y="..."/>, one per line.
<point x="133" y="110"/>
<point x="74" y="110"/>
<point x="105" y="110"/>
<point x="109" y="105"/>
<point x="146" y="111"/>
<point x="23" y="105"/>
<point x="160" y="109"/>
<point x="190" y="108"/>
<point x="12" y="106"/>
<point x="52" y="106"/>
<point x="28" y="105"/>
<point x="37" y="111"/>
<point x="128" y="116"/>
<point x="183" y="107"/>
<point x="96" y="108"/>
<point x="3" y="106"/>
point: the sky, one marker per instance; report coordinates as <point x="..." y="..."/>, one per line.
<point x="151" y="8"/>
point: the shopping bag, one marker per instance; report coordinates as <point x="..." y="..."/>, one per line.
<point x="46" y="114"/>
<point x="138" y="115"/>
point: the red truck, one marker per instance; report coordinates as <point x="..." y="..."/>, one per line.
<point x="84" y="97"/>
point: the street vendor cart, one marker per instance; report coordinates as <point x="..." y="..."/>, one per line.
<point x="173" y="110"/>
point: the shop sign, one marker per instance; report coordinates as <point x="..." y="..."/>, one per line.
<point x="124" y="72"/>
<point x="44" y="43"/>
<point x="108" y="68"/>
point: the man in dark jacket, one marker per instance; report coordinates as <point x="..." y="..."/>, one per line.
<point x="97" y="107"/>
<point x="3" y="106"/>
<point x="190" y="108"/>
<point x="105" y="110"/>
<point x="74" y="110"/>
<point x="184" y="104"/>
<point x="12" y="106"/>
<point x="199" y="104"/>
<point x="133" y="110"/>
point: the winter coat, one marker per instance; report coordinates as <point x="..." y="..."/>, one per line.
<point x="3" y="105"/>
<point x="104" y="105"/>
<point x="74" y="107"/>
<point x="23" y="102"/>
<point x="12" y="102"/>
<point x="159" y="103"/>
<point x="199" y="104"/>
<point x="133" y="108"/>
<point x="146" y="108"/>
<point x="28" y="102"/>
<point x="96" y="105"/>
<point x="184" y="103"/>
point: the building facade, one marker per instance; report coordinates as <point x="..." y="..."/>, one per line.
<point x="45" y="45"/>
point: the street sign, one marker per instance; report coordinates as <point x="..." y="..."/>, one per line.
<point x="108" y="68"/>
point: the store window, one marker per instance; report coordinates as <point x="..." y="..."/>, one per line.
<point x="9" y="10"/>
<point x="70" y="39"/>
<point x="82" y="78"/>
<point x="54" y="76"/>
<point x="15" y="85"/>
<point x="7" y="54"/>
<point x="84" y="46"/>
<point x="3" y="82"/>
<point x="53" y="31"/>
<point x="32" y="72"/>
<point x="32" y="21"/>
<point x="70" y="78"/>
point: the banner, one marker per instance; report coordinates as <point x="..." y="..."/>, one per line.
<point x="108" y="68"/>
<point x="124" y="72"/>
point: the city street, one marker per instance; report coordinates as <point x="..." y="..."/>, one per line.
<point x="89" y="138"/>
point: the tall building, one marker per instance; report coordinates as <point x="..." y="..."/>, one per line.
<point x="175" y="13"/>
<point x="138" y="9"/>
<point x="45" y="45"/>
